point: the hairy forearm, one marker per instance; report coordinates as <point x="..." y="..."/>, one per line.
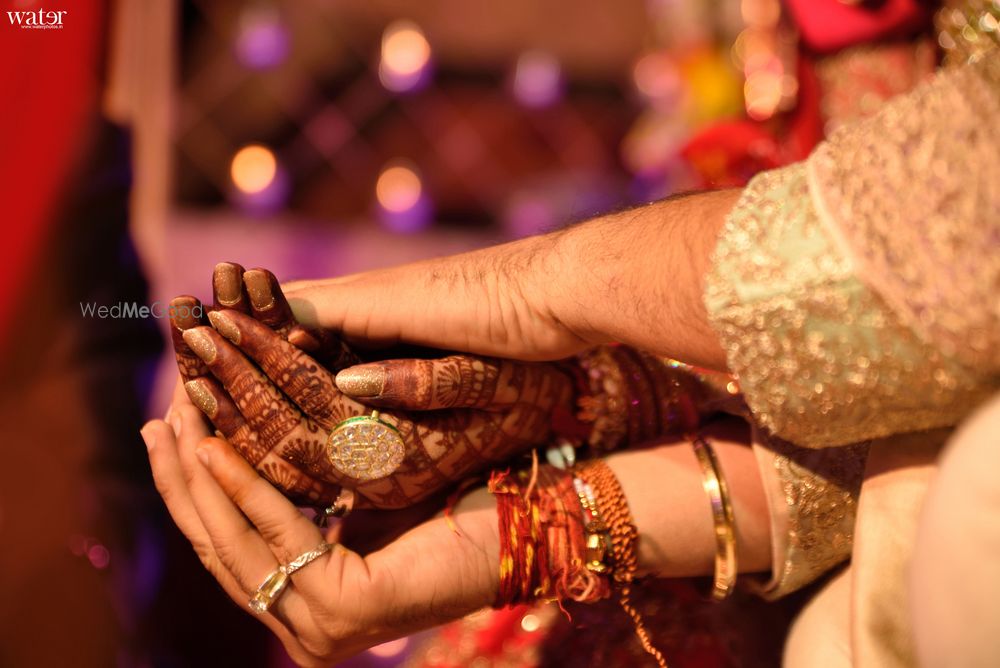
<point x="637" y="277"/>
<point x="634" y="277"/>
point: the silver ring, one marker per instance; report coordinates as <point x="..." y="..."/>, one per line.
<point x="306" y="558"/>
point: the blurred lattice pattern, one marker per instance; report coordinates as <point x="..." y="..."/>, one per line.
<point x="517" y="115"/>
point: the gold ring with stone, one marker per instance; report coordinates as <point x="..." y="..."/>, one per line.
<point x="365" y="447"/>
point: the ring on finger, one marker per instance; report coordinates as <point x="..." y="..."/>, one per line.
<point x="276" y="581"/>
<point x="365" y="447"/>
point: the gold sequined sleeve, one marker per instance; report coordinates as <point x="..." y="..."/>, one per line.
<point x="812" y="497"/>
<point x="843" y="291"/>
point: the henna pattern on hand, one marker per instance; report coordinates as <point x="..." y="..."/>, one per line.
<point x="466" y="381"/>
<point x="290" y="403"/>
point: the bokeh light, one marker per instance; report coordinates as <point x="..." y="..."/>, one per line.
<point x="406" y="56"/>
<point x="762" y="92"/>
<point x="402" y="202"/>
<point x="99" y="556"/>
<point x="538" y="80"/>
<point x="530" y="623"/>
<point x="253" y="168"/>
<point x="398" y="188"/>
<point x="657" y="79"/>
<point x="262" y="40"/>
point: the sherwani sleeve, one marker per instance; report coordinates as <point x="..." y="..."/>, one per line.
<point x="857" y="296"/>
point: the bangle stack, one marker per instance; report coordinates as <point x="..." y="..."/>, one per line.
<point x="629" y="397"/>
<point x="568" y="534"/>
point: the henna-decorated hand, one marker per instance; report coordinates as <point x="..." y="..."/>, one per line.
<point x="257" y="293"/>
<point x="277" y="405"/>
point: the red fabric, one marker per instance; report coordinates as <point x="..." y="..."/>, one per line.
<point x="49" y="83"/>
<point x="728" y="154"/>
<point x="830" y="25"/>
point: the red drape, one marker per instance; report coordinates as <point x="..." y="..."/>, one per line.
<point x="49" y="80"/>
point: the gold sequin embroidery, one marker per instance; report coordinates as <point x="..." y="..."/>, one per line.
<point x="820" y="357"/>
<point x="820" y="488"/>
<point x="913" y="197"/>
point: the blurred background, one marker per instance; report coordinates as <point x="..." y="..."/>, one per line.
<point x="146" y="140"/>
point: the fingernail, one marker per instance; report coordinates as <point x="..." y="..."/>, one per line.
<point x="174" y="420"/>
<point x="148" y="438"/>
<point x="203" y="455"/>
<point x="259" y="288"/>
<point x="364" y="380"/>
<point x="224" y="325"/>
<point x="201" y="344"/>
<point x="201" y="397"/>
<point x="228" y="283"/>
<point x="184" y="312"/>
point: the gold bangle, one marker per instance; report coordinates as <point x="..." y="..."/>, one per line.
<point x="722" y="517"/>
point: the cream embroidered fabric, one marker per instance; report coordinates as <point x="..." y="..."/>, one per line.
<point x="913" y="195"/>
<point x="812" y="495"/>
<point x="822" y="360"/>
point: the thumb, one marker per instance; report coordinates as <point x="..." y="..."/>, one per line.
<point x="458" y="381"/>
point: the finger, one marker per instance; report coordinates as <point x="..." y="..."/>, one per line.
<point x="270" y="307"/>
<point x="285" y="530"/>
<point x="227" y="287"/>
<point x="285" y="449"/>
<point x="186" y="312"/>
<point x="266" y="410"/>
<point x="218" y="406"/>
<point x="267" y="301"/>
<point x="458" y="381"/>
<point x="164" y="459"/>
<point x="299" y="376"/>
<point x="238" y="547"/>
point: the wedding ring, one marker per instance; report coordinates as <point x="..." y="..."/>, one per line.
<point x="306" y="558"/>
<point x="277" y="580"/>
<point x="340" y="509"/>
<point x="365" y="447"/>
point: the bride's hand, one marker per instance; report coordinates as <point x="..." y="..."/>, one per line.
<point x="242" y="528"/>
<point x="277" y="406"/>
<point x="255" y="292"/>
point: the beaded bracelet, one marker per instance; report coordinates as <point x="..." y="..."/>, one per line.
<point x="613" y="508"/>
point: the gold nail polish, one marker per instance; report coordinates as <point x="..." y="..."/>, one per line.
<point x="182" y="310"/>
<point x="258" y="285"/>
<point x="228" y="283"/>
<point x="201" y="398"/>
<point x="365" y="380"/>
<point x="224" y="325"/>
<point x="201" y="344"/>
